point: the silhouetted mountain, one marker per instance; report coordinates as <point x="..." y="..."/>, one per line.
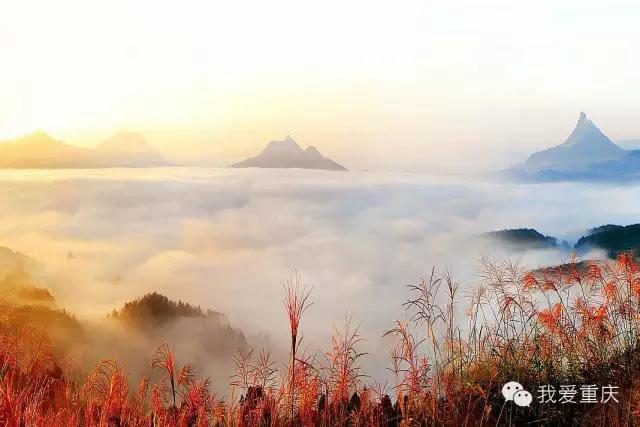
<point x="587" y="154"/>
<point x="40" y="151"/>
<point x="612" y="238"/>
<point x="585" y="146"/>
<point x="288" y="154"/>
<point x="154" y="309"/>
<point x="522" y="238"/>
<point x="130" y="149"/>
<point x="158" y="317"/>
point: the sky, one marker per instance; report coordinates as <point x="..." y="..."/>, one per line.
<point x="416" y="86"/>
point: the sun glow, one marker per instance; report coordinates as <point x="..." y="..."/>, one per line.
<point x="370" y="82"/>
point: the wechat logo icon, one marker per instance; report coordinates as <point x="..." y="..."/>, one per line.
<point x="515" y="392"/>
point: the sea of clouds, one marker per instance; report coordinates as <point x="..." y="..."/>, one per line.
<point x="228" y="239"/>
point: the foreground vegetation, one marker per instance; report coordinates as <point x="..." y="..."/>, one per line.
<point x="574" y="324"/>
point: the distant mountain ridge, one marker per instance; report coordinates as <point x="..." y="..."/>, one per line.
<point x="288" y="154"/>
<point x="587" y="154"/>
<point x="40" y="151"/>
<point x="157" y="317"/>
<point x="613" y="239"/>
<point x="522" y="238"/>
<point x="155" y="309"/>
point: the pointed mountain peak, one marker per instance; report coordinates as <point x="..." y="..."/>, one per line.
<point x="284" y="147"/>
<point x="583" y="121"/>
<point x="587" y="134"/>
<point x="586" y="145"/>
<point x="312" y="149"/>
<point x="287" y="141"/>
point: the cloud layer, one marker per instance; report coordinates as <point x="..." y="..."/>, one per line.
<point x="228" y="239"/>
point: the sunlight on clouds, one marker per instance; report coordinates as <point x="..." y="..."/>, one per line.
<point x="227" y="239"/>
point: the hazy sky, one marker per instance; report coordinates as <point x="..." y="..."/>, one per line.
<point x="387" y="85"/>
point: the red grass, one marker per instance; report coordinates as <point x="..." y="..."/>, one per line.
<point x="573" y="324"/>
<point x="296" y="302"/>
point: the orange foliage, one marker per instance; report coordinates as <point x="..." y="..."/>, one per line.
<point x="571" y="323"/>
<point x="550" y="318"/>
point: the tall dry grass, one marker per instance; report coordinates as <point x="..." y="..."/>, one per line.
<point x="573" y="324"/>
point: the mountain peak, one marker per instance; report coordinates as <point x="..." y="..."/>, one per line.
<point x="313" y="151"/>
<point x="127" y="148"/>
<point x="585" y="146"/>
<point x="587" y="136"/>
<point x="583" y="122"/>
<point x="286" y="147"/>
<point x="583" y="116"/>
<point x="38" y="150"/>
<point x="287" y="153"/>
